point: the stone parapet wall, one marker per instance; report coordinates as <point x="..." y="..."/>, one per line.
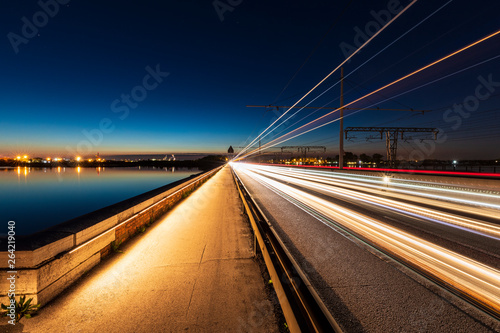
<point x="49" y="261"/>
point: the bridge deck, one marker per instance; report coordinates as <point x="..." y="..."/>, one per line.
<point x="192" y="271"/>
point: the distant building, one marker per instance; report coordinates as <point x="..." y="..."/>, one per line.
<point x="230" y="150"/>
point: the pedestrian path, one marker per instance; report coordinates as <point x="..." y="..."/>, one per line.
<point x="192" y="271"/>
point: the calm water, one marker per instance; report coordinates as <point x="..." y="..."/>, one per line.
<point x="38" y="198"/>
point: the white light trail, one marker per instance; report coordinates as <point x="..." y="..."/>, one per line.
<point x="330" y="74"/>
<point x="317" y="124"/>
<point x="309" y="181"/>
<point x="364" y="63"/>
<point x="403" y="186"/>
<point x="470" y="277"/>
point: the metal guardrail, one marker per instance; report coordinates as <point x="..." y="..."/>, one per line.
<point x="303" y="309"/>
<point x="294" y="274"/>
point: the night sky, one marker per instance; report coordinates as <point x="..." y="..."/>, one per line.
<point x="67" y="87"/>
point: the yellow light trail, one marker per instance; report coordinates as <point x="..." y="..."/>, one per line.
<point x="269" y="144"/>
<point x="333" y="71"/>
<point x="472" y="278"/>
<point x="488" y="229"/>
<point x="374" y="184"/>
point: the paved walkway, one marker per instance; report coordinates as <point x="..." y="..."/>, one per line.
<point x="192" y="272"/>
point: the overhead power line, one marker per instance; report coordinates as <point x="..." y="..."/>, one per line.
<point x="272" y="144"/>
<point x="333" y="71"/>
<point x="391" y="137"/>
<point x="364" y="63"/>
<point x="390" y="84"/>
<point x="390" y="44"/>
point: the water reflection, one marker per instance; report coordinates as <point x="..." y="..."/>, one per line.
<point x="49" y="196"/>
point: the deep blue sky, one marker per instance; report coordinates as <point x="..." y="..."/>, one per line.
<point x="63" y="80"/>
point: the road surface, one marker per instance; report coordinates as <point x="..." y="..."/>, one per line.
<point x="370" y="245"/>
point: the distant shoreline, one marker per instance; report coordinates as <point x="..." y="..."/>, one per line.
<point x="202" y="164"/>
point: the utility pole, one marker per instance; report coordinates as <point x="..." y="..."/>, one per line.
<point x="341" y="118"/>
<point x="341" y="122"/>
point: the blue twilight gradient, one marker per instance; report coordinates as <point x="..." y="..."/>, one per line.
<point x="39" y="198"/>
<point x="63" y="80"/>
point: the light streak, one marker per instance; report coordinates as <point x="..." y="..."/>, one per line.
<point x="364" y="63"/>
<point x="330" y="74"/>
<point x="470" y="277"/>
<point x="270" y="144"/>
<point x="310" y="181"/>
<point x="407" y="184"/>
<point x="451" y="173"/>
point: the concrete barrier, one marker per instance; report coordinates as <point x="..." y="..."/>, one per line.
<point x="49" y="261"/>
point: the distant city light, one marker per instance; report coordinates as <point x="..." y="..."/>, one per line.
<point x="78" y="158"/>
<point x="454" y="162"/>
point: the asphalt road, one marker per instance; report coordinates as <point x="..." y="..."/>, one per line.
<point x="351" y="236"/>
